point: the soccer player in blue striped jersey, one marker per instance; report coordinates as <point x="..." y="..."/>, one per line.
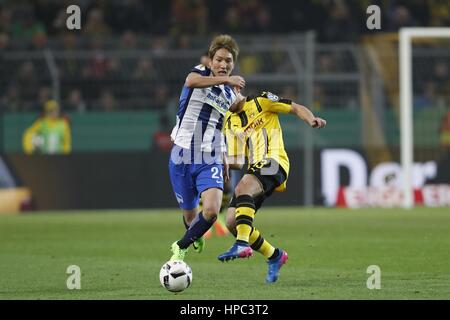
<point x="197" y="164"/>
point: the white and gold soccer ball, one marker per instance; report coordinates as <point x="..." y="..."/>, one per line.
<point x="175" y="276"/>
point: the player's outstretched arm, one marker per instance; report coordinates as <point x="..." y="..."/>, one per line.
<point x="306" y="115"/>
<point x="195" y="80"/>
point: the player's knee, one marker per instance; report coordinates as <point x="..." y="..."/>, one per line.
<point x="210" y="212"/>
<point x="241" y="189"/>
<point x="189" y="215"/>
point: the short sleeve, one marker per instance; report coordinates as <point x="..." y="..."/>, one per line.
<point x="272" y="103"/>
<point x="201" y="69"/>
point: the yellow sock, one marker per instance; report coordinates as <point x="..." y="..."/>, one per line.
<point x="260" y="244"/>
<point x="244" y="221"/>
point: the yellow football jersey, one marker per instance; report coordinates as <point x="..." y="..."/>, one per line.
<point x="255" y="131"/>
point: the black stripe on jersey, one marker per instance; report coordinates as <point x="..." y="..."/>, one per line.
<point x="229" y="123"/>
<point x="196" y="71"/>
<point x="216" y="90"/>
<point x="258" y="106"/>
<point x="220" y="123"/>
<point x="286" y="101"/>
<point x="266" y="139"/>
<point x="250" y="97"/>
<point x="205" y="72"/>
<point x="244" y="120"/>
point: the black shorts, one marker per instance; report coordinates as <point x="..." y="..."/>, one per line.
<point x="269" y="181"/>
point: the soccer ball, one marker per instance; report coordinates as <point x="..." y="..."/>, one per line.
<point x="175" y="276"/>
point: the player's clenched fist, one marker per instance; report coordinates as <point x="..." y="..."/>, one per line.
<point x="236" y="81"/>
<point x="319" y="123"/>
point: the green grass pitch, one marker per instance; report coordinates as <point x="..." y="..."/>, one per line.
<point x="120" y="254"/>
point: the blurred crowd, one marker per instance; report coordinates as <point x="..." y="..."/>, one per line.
<point x="99" y="81"/>
<point x="334" y="20"/>
<point x="432" y="88"/>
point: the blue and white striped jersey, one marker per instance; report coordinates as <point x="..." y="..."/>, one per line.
<point x="200" y="115"/>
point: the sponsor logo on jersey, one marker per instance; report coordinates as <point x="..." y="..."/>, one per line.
<point x="217" y="103"/>
<point x="272" y="97"/>
<point x="200" y="67"/>
<point x="179" y="198"/>
<point x="252" y="126"/>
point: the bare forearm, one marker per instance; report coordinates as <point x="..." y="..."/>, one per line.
<point x="197" y="81"/>
<point x="238" y="105"/>
<point x="303" y="113"/>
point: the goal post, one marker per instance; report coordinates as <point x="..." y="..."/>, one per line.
<point x="406" y="100"/>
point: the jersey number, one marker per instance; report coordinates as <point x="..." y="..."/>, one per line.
<point x="216" y="173"/>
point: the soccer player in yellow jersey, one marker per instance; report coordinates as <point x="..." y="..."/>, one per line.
<point x="255" y="133"/>
<point x="50" y="133"/>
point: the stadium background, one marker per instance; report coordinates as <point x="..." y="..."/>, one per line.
<point x="118" y="80"/>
